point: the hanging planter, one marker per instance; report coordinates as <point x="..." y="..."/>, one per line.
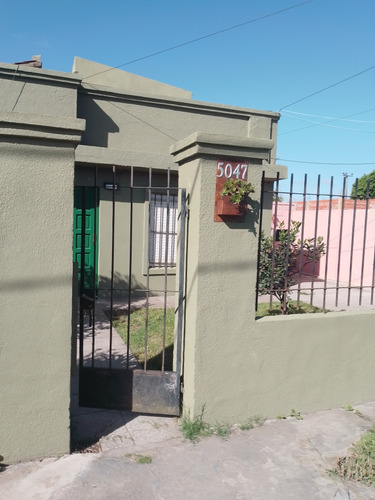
<point x="232" y="200"/>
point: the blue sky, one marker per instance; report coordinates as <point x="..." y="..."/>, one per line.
<point x="267" y="64"/>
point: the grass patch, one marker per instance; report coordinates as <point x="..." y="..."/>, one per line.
<point x="144" y="459"/>
<point x="359" y="465"/>
<point x="221" y="429"/>
<point x="155" y="333"/>
<point x="304" y="308"/>
<point x="194" y="429"/>
<point x="251" y="422"/>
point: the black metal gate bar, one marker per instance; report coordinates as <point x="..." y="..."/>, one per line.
<point x="340" y="241"/>
<point x="166" y="269"/>
<point x="112" y="264"/>
<point x="138" y="390"/>
<point x="302" y="236"/>
<point x="285" y="290"/>
<point x="262" y="191"/>
<point x="180" y="284"/>
<point x="95" y="265"/>
<point x="130" y="266"/>
<point x="315" y="239"/>
<point x="352" y="243"/>
<point x="82" y="275"/>
<point x="327" y="245"/>
<point x="148" y="271"/>
<point x="364" y="241"/>
<point x="274" y="234"/>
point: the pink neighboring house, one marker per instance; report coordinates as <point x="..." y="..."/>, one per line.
<point x="360" y="238"/>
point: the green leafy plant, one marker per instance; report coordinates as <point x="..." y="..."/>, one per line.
<point x="293" y="413"/>
<point x="364" y="182"/>
<point x="280" y="261"/>
<point x="252" y="422"/>
<point x="296" y="414"/>
<point x="359" y="465"/>
<point x="195" y="428"/>
<point x="354" y="410"/>
<point x="237" y="189"/>
<point x="221" y="429"/>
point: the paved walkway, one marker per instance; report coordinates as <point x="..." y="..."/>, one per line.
<point x="283" y="460"/>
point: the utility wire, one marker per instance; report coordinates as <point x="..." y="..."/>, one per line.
<point x="194" y="40"/>
<point x="324" y="163"/>
<point x="316" y="124"/>
<point x="329" y="87"/>
<point x="332" y="118"/>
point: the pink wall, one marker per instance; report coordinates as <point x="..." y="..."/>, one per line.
<point x="333" y="240"/>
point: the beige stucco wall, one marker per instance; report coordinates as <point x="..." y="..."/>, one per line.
<point x="95" y="73"/>
<point x="234" y="366"/>
<point x="130" y="122"/>
<point x="36" y="181"/>
<point x="36" y="91"/>
<point x="126" y="127"/>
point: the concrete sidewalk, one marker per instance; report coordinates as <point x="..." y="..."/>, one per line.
<point x="283" y="459"/>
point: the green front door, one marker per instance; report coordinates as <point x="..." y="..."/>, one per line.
<point x="85" y="202"/>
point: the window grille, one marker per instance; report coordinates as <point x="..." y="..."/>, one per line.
<point x="163" y="230"/>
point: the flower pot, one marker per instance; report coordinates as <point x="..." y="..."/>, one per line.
<point x="227" y="208"/>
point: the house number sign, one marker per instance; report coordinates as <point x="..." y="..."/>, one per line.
<point x="227" y="169"/>
<point x="232" y="170"/>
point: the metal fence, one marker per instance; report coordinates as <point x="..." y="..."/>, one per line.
<point x="318" y="247"/>
<point x="129" y="245"/>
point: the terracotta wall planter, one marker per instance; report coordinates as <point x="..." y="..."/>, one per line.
<point x="226" y="207"/>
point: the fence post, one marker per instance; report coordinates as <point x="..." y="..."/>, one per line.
<point x="220" y="275"/>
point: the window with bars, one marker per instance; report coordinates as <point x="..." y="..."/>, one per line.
<point x="163" y="230"/>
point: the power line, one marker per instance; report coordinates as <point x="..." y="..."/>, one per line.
<point x="329" y="87"/>
<point x="332" y="118"/>
<point x="194" y="40"/>
<point x="326" y="124"/>
<point x="324" y="163"/>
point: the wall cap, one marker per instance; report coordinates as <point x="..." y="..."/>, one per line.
<point x="17" y="72"/>
<point x="39" y="127"/>
<point x="203" y="143"/>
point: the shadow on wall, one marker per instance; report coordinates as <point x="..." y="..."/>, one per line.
<point x="98" y="124"/>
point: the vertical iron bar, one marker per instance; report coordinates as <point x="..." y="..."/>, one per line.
<point x="327" y="244"/>
<point x="302" y="236"/>
<point x="285" y="291"/>
<point x="130" y="265"/>
<point x="340" y="240"/>
<point x="260" y="234"/>
<point x="82" y="276"/>
<point x="352" y="244"/>
<point x="112" y="264"/>
<point x="94" y="276"/>
<point x="315" y="237"/>
<point x="364" y="240"/>
<point x="180" y="285"/>
<point x="150" y="240"/>
<point x="276" y="193"/>
<point x="166" y="266"/>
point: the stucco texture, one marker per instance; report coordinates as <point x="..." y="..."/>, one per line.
<point x="235" y="366"/>
<point x="35" y="265"/>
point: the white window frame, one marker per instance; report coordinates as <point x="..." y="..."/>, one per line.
<point x="162" y="236"/>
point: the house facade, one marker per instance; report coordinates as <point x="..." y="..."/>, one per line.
<point x="67" y="141"/>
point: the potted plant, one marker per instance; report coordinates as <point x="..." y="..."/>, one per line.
<point x="233" y="197"/>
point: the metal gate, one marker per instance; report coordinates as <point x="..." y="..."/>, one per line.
<point x="127" y="318"/>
